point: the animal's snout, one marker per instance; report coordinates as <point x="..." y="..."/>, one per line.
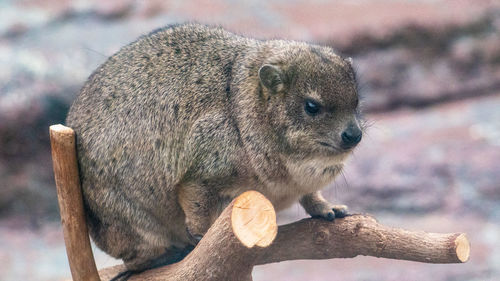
<point x="351" y="136"/>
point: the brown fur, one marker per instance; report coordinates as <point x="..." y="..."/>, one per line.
<point x="178" y="123"/>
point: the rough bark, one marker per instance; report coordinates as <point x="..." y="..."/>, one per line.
<point x="362" y="235"/>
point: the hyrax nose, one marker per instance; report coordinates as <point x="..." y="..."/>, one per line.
<point x="351" y="136"/>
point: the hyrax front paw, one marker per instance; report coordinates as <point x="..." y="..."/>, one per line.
<point x="194" y="238"/>
<point x="195" y="229"/>
<point x="329" y="212"/>
<point x="316" y="206"/>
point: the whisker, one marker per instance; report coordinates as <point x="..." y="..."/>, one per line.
<point x="345" y="179"/>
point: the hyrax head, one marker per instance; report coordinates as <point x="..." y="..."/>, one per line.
<point x="311" y="101"/>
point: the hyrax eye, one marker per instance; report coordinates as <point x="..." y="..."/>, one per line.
<point x="312" y="107"/>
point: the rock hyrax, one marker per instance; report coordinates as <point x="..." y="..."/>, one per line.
<point x="178" y="123"/>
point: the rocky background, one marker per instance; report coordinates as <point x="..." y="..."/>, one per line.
<point x="429" y="73"/>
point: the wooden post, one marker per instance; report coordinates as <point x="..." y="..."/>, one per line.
<point x="69" y="194"/>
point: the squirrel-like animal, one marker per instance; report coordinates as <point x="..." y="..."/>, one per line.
<point x="178" y="123"/>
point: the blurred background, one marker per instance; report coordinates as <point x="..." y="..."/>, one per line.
<point x="429" y="73"/>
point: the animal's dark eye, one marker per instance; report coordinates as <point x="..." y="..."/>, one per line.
<point x="312" y="108"/>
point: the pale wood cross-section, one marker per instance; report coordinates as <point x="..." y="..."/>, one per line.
<point x="246" y="234"/>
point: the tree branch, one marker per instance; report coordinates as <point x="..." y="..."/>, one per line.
<point x="307" y="239"/>
<point x="362" y="235"/>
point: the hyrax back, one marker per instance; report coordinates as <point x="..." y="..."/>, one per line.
<point x="175" y="125"/>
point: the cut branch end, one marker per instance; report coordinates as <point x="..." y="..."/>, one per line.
<point x="253" y="220"/>
<point x="462" y="247"/>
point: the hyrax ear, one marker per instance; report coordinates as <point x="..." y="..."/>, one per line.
<point x="271" y="77"/>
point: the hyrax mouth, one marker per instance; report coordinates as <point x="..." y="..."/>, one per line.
<point x="336" y="149"/>
<point x="331" y="146"/>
